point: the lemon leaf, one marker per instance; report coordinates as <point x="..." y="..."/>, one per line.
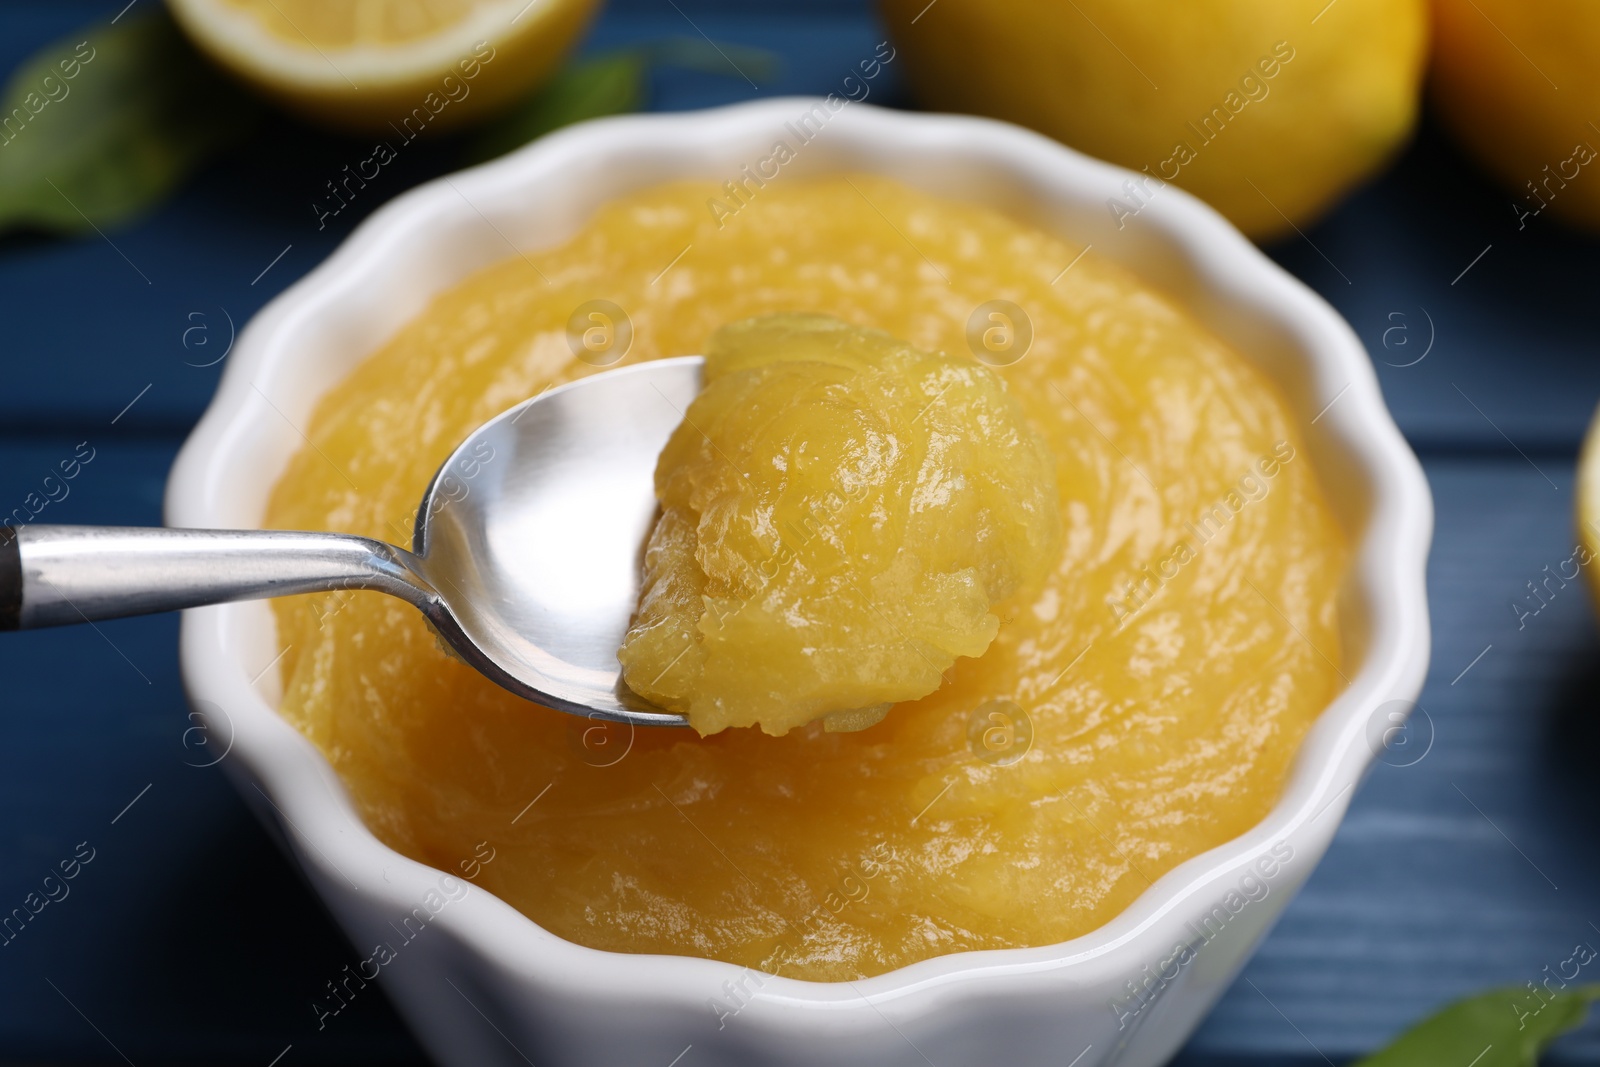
<point x="607" y="85"/>
<point x="1502" y="1028"/>
<point x="100" y="126"/>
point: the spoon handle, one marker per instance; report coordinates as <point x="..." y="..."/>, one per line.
<point x="57" y="575"/>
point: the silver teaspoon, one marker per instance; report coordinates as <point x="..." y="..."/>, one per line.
<point x="525" y="556"/>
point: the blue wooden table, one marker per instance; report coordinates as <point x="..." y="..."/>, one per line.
<point x="1468" y="858"/>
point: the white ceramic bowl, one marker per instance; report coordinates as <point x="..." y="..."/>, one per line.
<point x="483" y="985"/>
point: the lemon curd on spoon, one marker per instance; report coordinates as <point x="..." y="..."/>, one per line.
<point x="840" y="511"/>
<point x="1139" y="701"/>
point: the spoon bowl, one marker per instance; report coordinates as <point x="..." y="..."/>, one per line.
<point x="525" y="556"/>
<point x="531" y="534"/>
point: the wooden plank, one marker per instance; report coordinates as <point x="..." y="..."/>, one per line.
<point x="1443" y="878"/>
<point x="186" y="935"/>
<point x="1511" y="363"/>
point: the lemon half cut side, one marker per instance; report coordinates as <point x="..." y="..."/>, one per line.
<point x="362" y="64"/>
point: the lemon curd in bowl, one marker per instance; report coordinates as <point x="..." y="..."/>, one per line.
<point x="1139" y="706"/>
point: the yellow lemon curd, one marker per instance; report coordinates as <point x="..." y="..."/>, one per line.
<point x="1141" y="706"/>
<point x="840" y="511"/>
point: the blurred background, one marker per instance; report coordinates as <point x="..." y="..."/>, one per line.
<point x="183" y="202"/>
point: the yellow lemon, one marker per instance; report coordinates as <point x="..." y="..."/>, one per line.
<point x="1519" y="86"/>
<point x="1268" y="109"/>
<point x="1589" y="506"/>
<point x="366" y="64"/>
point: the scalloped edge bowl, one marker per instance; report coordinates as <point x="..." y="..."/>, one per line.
<point x="481" y="984"/>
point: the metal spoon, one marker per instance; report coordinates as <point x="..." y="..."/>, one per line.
<point x="525" y="558"/>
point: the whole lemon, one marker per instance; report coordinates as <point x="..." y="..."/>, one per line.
<point x="1268" y="109"/>
<point x="1519" y="84"/>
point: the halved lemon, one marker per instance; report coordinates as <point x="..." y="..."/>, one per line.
<point x="366" y="64"/>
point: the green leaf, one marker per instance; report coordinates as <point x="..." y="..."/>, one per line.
<point x="102" y="125"/>
<point x="1502" y="1028"/>
<point x="607" y="85"/>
